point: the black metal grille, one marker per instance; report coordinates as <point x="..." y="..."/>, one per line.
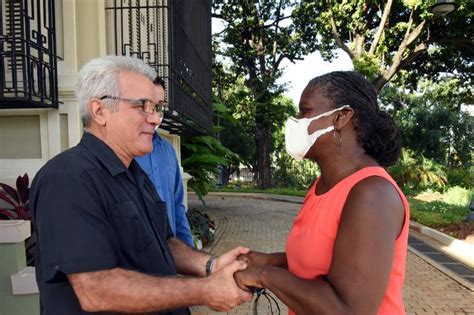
<point x="28" y="61"/>
<point x="174" y="37"/>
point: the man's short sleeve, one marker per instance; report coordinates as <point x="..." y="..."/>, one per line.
<point x="74" y="234"/>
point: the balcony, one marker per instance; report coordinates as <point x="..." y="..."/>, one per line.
<point x="174" y="37"/>
<point x="28" y="61"/>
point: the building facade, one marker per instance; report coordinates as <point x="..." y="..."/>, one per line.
<point x="44" y="43"/>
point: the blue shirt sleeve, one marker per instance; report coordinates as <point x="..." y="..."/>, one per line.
<point x="183" y="230"/>
<point x="163" y="169"/>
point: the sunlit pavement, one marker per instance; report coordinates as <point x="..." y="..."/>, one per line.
<point x="263" y="225"/>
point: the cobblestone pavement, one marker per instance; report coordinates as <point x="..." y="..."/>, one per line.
<point x="263" y="225"/>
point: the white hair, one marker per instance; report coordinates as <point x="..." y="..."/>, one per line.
<point x="99" y="77"/>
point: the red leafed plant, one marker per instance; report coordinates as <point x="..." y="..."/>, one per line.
<point x="18" y="199"/>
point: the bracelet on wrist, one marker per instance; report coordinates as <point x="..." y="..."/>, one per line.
<point x="209" y="265"/>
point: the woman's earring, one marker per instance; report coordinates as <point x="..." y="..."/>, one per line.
<point x="338" y="143"/>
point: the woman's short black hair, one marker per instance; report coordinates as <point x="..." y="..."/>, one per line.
<point x="376" y="129"/>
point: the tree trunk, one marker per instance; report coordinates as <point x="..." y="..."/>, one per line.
<point x="264" y="175"/>
<point x="225" y="175"/>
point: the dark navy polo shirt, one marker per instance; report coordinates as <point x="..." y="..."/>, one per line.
<point x="92" y="213"/>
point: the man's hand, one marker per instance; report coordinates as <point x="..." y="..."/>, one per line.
<point x="222" y="293"/>
<point x="249" y="278"/>
<point x="255" y="259"/>
<point x="229" y="257"/>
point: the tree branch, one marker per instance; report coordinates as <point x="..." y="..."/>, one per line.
<point x="337" y="37"/>
<point x="218" y="16"/>
<point x="276" y="64"/>
<point x="419" y="49"/>
<point x="409" y="37"/>
<point x="276" y="21"/>
<point x="383" y="21"/>
<point x="416" y="32"/>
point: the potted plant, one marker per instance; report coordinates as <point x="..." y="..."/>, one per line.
<point x="202" y="227"/>
<point x="17" y="208"/>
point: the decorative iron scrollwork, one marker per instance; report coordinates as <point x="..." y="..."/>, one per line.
<point x="174" y="37"/>
<point x="28" y="60"/>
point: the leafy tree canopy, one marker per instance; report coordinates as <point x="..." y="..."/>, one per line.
<point x="431" y="121"/>
<point x="384" y="37"/>
<point x="257" y="37"/>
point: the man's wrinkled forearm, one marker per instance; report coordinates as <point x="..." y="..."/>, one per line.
<point x="120" y="290"/>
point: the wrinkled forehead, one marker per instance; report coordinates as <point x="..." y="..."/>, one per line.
<point x="137" y="86"/>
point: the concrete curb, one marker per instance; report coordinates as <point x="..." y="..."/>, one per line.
<point x="458" y="249"/>
<point x="442" y="268"/>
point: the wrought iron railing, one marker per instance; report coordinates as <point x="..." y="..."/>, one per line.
<point x="28" y="61"/>
<point x="173" y="36"/>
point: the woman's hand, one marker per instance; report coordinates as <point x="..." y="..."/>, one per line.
<point x="229" y="257"/>
<point x="250" y="278"/>
<point x="255" y="259"/>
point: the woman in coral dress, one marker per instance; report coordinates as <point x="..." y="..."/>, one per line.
<point x="346" y="250"/>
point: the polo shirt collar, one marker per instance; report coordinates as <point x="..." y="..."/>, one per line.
<point x="104" y="154"/>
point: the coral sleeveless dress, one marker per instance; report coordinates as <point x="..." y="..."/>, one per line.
<point x="310" y="244"/>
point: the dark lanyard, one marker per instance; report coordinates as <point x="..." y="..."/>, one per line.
<point x="269" y="298"/>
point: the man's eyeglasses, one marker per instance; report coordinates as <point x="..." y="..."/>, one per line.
<point x="146" y="106"/>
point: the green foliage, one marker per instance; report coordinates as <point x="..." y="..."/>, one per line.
<point x="412" y="38"/>
<point x="461" y="177"/>
<point x="238" y="121"/>
<point x="257" y="37"/>
<point x="415" y="173"/>
<point x="436" y="209"/>
<point x="458" y="196"/>
<point x="202" y="227"/>
<point x="291" y="173"/>
<point x="436" y="213"/>
<point x="201" y="156"/>
<point x="273" y="191"/>
<point x="368" y="65"/>
<point x="430" y="120"/>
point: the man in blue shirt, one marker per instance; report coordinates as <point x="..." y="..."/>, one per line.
<point x="163" y="169"/>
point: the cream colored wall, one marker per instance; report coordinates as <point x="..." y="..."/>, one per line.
<point x="176" y="142"/>
<point x="16" y="131"/>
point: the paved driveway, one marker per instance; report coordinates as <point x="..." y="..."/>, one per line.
<point x="263" y="225"/>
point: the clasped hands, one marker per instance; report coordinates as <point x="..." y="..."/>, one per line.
<point x="234" y="277"/>
<point x="250" y="278"/>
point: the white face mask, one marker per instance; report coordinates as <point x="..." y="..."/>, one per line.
<point x="297" y="140"/>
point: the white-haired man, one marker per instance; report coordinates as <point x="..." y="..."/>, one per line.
<point x="103" y="239"/>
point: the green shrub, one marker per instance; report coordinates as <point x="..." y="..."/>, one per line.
<point x="201" y="156"/>
<point x="289" y="173"/>
<point x="460" y="177"/>
<point x="436" y="209"/>
<point x="251" y="189"/>
<point x="436" y="213"/>
<point x="414" y="173"/>
<point x="458" y="196"/>
<point x="202" y="227"/>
